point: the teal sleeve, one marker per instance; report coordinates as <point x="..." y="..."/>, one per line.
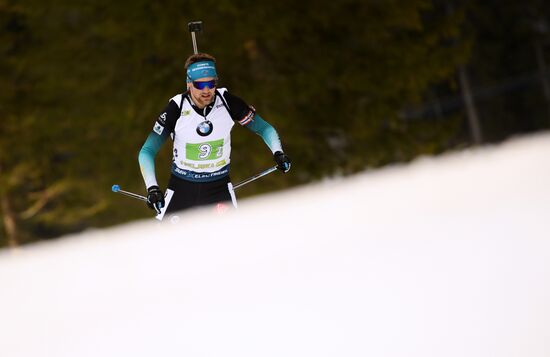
<point x="266" y="131"/>
<point x="147" y="155"/>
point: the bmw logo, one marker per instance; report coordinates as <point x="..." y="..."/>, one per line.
<point x="205" y="128"/>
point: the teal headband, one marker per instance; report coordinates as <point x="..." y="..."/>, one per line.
<point x="201" y="69"/>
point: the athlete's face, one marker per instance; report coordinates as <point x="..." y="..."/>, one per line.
<point x="202" y="91"/>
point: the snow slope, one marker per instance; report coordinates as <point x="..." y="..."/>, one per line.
<point x="442" y="257"/>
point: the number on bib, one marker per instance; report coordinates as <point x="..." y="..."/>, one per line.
<point x="205" y="150"/>
<point x="210" y="150"/>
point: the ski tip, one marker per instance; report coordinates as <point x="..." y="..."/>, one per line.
<point x="115" y="188"/>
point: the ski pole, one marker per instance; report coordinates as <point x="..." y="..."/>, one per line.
<point x="255" y="177"/>
<point x="116" y="189"/>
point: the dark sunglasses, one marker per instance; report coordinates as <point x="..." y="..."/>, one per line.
<point x="201" y="85"/>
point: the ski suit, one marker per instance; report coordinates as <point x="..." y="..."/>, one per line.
<point x="201" y="148"/>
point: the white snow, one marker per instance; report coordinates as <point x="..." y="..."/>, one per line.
<point x="446" y="256"/>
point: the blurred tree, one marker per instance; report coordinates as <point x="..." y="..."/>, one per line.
<point x="15" y="85"/>
<point x="336" y="79"/>
<point x="509" y="46"/>
<point x="78" y="77"/>
<point x="86" y="81"/>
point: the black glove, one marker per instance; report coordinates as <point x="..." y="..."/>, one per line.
<point x="155" y="198"/>
<point x="283" y="161"/>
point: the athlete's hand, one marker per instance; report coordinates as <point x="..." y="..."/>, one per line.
<point x="155" y="198"/>
<point x="283" y="161"/>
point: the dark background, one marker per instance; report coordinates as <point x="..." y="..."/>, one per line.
<point x="349" y="85"/>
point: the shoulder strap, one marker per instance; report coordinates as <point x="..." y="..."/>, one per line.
<point x="220" y="94"/>
<point x="183" y="96"/>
